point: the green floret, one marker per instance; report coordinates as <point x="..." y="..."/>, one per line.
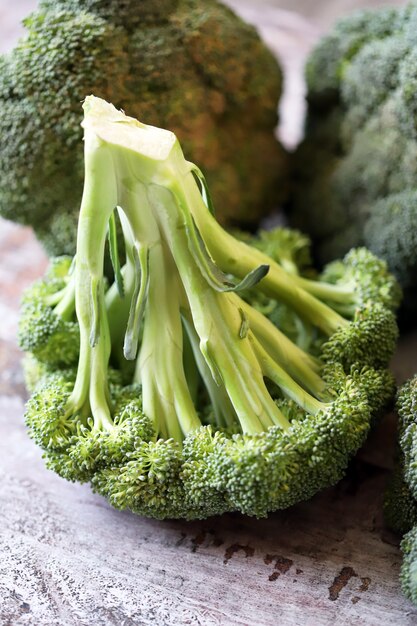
<point x="407" y="409"/>
<point x="400" y="507"/>
<point x="289" y="248"/>
<point x="33" y="371"/>
<point x="408" y="576"/>
<point x="391" y="234"/>
<point x="370" y="338"/>
<point x="46" y="416"/>
<point x="356" y="169"/>
<point x="327" y="64"/>
<point x="277" y="468"/>
<point x="48" y="328"/>
<point x="224" y="411"/>
<point x="226" y="84"/>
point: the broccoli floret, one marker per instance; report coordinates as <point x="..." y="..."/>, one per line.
<point x="47" y="327"/>
<point x="327" y="64"/>
<point x="289" y="248"/>
<point x="400" y="506"/>
<point x="224" y="412"/>
<point x="408" y="574"/>
<point x="391" y="234"/>
<point x="225" y="84"/>
<point x="348" y="173"/>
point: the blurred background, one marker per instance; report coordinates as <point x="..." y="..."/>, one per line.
<point x="290" y="27"/>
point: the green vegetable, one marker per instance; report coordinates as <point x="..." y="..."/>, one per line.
<point x="356" y="170"/>
<point x="400" y="506"/>
<point x="408" y="574"/>
<point x="401" y="498"/>
<point x="182" y="64"/>
<point x="223" y="412"/>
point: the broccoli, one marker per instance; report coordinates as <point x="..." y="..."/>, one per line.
<point x="408" y="576"/>
<point x="194" y="67"/>
<point x="400" y="507"/>
<point x="355" y="172"/>
<point x="223" y="411"/>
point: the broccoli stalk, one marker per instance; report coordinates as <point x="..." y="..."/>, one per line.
<point x="267" y="424"/>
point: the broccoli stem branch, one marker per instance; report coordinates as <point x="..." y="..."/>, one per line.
<point x="217" y="321"/>
<point x="287" y="385"/>
<point x="98" y="202"/>
<point x="223" y="408"/>
<point x="160" y="368"/>
<point x="65" y="309"/>
<point x="239" y="259"/>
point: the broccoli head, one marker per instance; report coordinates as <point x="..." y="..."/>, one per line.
<point x="223" y="410"/>
<point x="408" y="574"/>
<point x="357" y="164"/>
<point x="196" y="68"/>
<point x="400" y="505"/>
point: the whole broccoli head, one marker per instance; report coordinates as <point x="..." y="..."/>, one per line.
<point x="356" y="169"/>
<point x="223" y="411"/>
<point x="196" y="68"/>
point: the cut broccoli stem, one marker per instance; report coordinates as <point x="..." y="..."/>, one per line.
<point x="65" y="308"/>
<point x="343" y="294"/>
<point x="98" y="202"/>
<point x="288" y="265"/>
<point x="239" y="259"/>
<point x="118" y="308"/>
<point x="283" y="380"/>
<point x="302" y="366"/>
<point x="166" y="396"/>
<point x="114" y="253"/>
<point x="118" y="305"/>
<point x="224" y="412"/>
<point x="217" y="322"/>
<point x="191" y="369"/>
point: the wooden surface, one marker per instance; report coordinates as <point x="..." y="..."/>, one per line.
<point x="67" y="558"/>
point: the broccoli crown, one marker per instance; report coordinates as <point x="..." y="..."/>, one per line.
<point x="392" y="234"/>
<point x="225" y="84"/>
<point x="408" y="574"/>
<point x="224" y="411"/>
<point x="357" y="163"/>
<point x="47" y="327"/>
<point x="400" y="507"/>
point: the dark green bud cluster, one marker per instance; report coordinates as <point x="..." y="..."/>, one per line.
<point x="400" y="506"/>
<point x="51" y="335"/>
<point x="225" y="80"/>
<point x="356" y="168"/>
<point x="369" y="339"/>
<point x="408" y="575"/>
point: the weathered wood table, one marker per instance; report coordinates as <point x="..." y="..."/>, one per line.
<point x="68" y="559"/>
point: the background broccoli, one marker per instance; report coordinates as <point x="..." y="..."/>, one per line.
<point x="401" y="497"/>
<point x="356" y="170"/>
<point x="181" y="64"/>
